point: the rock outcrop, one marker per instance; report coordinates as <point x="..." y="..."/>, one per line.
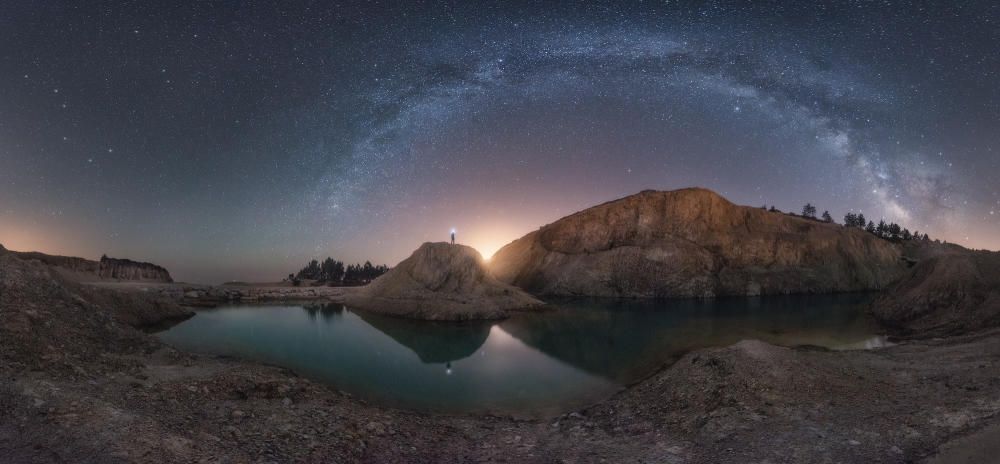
<point x="694" y="243"/>
<point x="82" y="269"/>
<point x="946" y="294"/>
<point x="440" y="281"/>
<point x="126" y="269"/>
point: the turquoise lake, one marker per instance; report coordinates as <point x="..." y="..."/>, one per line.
<point x="579" y="352"/>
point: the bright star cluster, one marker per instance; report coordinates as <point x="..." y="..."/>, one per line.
<point x="235" y="141"/>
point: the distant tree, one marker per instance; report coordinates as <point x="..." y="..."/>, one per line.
<point x="809" y="211"/>
<point x="906" y="234"/>
<point x="773" y="209"/>
<point x="882" y="229"/>
<point x="894" y="231"/>
<point x="870" y="227"/>
<point x="926" y="238"/>
<point x="827" y="217"/>
<point x="851" y="220"/>
<point x="311" y="271"/>
<point x="332" y="271"/>
<point x="861" y="222"/>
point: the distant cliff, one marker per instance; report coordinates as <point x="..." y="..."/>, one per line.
<point x="694" y="243"/>
<point x="126" y="269"/>
<point x="107" y="268"/>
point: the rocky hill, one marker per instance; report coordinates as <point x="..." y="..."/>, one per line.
<point x="82" y="269"/>
<point x="440" y="281"/>
<point x="694" y="243"/>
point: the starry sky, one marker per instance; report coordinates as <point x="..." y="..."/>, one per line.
<point x="236" y="140"/>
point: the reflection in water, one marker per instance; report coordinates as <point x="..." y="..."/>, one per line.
<point x="433" y="342"/>
<point x="624" y="340"/>
<point x="534" y="363"/>
<point x="328" y="311"/>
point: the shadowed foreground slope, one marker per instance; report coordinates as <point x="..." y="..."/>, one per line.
<point x="949" y="293"/>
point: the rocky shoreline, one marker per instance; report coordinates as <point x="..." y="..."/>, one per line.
<point x="79" y="382"/>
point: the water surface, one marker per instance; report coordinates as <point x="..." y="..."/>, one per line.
<point x="533" y="364"/>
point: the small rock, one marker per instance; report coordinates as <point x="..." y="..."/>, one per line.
<point x="376" y="427"/>
<point x="853" y="442"/>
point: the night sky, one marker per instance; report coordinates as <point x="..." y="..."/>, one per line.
<point x="236" y="140"/>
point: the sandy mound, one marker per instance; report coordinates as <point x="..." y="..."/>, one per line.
<point x="441" y="281"/>
<point x="694" y="243"/>
<point x="948" y="294"/>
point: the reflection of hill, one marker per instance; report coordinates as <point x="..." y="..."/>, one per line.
<point x="624" y="339"/>
<point x="434" y="342"/>
<point x="607" y="338"/>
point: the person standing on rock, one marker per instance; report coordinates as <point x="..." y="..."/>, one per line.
<point x="452" y="236"/>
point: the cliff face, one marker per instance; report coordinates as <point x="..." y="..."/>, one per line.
<point x="440" y="281"/>
<point x="126" y="269"/>
<point x="946" y="294"/>
<point x="107" y="268"/>
<point x="693" y="243"/>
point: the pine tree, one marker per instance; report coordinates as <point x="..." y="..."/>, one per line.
<point x="851" y="220"/>
<point x="827" y="217"/>
<point x="809" y="211"/>
<point x="882" y="229"/>
<point x="861" y="221"/>
<point x="311" y="271"/>
<point x="894" y="230"/>
<point x="871" y="227"/>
